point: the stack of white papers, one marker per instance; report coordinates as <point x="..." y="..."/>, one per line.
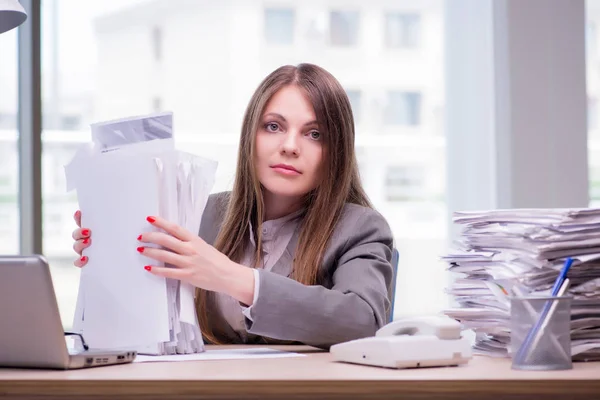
<point x="502" y="252"/>
<point x="129" y="171"/>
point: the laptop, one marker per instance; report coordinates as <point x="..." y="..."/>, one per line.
<point x="31" y="331"/>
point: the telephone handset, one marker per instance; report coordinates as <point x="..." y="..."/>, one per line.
<point x="426" y="341"/>
<point x="443" y="327"/>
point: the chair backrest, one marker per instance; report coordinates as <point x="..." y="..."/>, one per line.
<point x="395" y="256"/>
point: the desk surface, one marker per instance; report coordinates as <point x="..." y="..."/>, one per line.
<point x="313" y="376"/>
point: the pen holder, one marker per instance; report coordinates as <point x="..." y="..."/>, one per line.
<point x="540" y="333"/>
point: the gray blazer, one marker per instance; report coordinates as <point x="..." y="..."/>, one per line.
<point x="350" y="301"/>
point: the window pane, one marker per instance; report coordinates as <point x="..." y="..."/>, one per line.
<point x="591" y="37"/>
<point x="343" y="28"/>
<point x="403" y="108"/>
<point x="354" y="97"/>
<point x="157" y="43"/>
<point x="593" y="92"/>
<point x="592" y="114"/>
<point x="9" y="156"/>
<point x="402" y="30"/>
<point x="279" y="26"/>
<point x="138" y="59"/>
<point x="405" y="183"/>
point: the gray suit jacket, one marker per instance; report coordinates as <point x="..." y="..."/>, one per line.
<point x="350" y="301"/>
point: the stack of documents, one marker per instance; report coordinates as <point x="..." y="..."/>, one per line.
<point x="502" y="252"/>
<point x="129" y="171"/>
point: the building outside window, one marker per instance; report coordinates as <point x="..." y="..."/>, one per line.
<point x="355" y="99"/>
<point x="343" y="28"/>
<point x="279" y="26"/>
<point x="402" y="30"/>
<point x="405" y="183"/>
<point x="403" y="108"/>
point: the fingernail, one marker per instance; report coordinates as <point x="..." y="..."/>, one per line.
<point x="147" y="268"/>
<point x="85" y="232"/>
<point x="150" y="219"/>
<point x="140" y="237"/>
<point x="140" y="249"/>
<point x="86" y="241"/>
<point x="77" y="213"/>
<point x="83" y="259"/>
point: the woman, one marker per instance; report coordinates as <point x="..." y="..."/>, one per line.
<point x="319" y="255"/>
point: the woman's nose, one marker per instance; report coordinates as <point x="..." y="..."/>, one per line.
<point x="290" y="143"/>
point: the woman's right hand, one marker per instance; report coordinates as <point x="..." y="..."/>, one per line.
<point x="83" y="239"/>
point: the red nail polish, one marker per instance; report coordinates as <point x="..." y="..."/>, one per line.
<point x="86" y="241"/>
<point x="140" y="237"/>
<point x="85" y="232"/>
<point x="147" y="268"/>
<point x="151" y="219"/>
<point x="140" y="249"/>
<point x="83" y="259"/>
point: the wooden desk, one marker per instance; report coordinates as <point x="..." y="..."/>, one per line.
<point x="314" y="376"/>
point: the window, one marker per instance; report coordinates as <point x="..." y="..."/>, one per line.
<point x="343" y="28"/>
<point x="70" y="122"/>
<point x="5" y="182"/>
<point x="405" y="183"/>
<point x="403" y="108"/>
<point x="9" y="156"/>
<point x="354" y="96"/>
<point x="402" y="30"/>
<point x="8" y="121"/>
<point x="7" y="225"/>
<point x="157" y="39"/>
<point x="595" y="185"/>
<point x="593" y="92"/>
<point x="592" y="114"/>
<point x="157" y="104"/>
<point x="213" y="67"/>
<point x="279" y="26"/>
<point x="53" y="223"/>
<point x="591" y="38"/>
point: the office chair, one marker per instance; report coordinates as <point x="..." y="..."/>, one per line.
<point x="395" y="256"/>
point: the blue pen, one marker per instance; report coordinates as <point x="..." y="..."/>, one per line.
<point x="534" y="330"/>
<point x="561" y="277"/>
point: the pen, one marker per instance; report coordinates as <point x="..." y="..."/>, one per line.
<point x="533" y="332"/>
<point x="561" y="277"/>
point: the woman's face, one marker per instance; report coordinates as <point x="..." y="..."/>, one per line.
<point x="289" y="147"/>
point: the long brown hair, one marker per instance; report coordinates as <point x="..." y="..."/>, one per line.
<point x="340" y="181"/>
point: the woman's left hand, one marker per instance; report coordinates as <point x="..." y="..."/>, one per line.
<point x="195" y="261"/>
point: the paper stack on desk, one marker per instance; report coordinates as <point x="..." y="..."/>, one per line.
<point x="129" y="171"/>
<point x="526" y="247"/>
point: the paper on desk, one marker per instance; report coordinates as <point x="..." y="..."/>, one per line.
<point x="222" y="354"/>
<point x="525" y="248"/>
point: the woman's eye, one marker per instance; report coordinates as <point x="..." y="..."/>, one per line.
<point x="272" y="127"/>
<point x="315" y="135"/>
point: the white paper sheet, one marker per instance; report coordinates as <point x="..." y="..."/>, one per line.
<point x="221" y="354"/>
<point x="115" y="267"/>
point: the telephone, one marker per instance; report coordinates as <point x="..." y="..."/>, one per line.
<point x="428" y="341"/>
